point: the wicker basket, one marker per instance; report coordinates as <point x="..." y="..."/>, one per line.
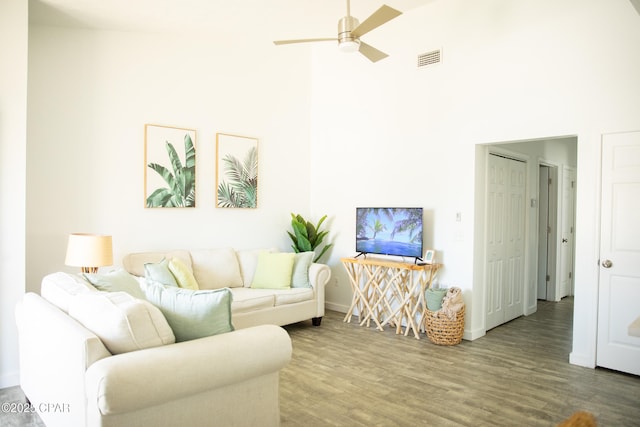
<point x="441" y="330"/>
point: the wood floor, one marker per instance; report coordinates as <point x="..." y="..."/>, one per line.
<point x="517" y="375"/>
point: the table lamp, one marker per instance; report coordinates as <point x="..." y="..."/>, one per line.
<point x="89" y="251"/>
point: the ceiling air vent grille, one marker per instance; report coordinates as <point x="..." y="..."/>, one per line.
<point x="429" y="58"/>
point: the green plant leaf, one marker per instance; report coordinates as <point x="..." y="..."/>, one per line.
<point x="241" y="186"/>
<point x="317" y="258"/>
<point x="159" y="198"/>
<point x="226" y="196"/>
<point x="307" y="237"/>
<point x="181" y="181"/>
<point x="320" y="222"/>
<point x="176" y="164"/>
<point x="190" y="153"/>
<point x="301" y="236"/>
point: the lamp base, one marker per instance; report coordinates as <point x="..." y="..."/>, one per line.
<point x="90" y="270"/>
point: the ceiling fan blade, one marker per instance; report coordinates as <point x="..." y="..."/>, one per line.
<point x="377" y="18"/>
<point x="279" y="42"/>
<point x="372" y="54"/>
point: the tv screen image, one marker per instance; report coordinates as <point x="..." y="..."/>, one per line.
<point x="389" y="231"/>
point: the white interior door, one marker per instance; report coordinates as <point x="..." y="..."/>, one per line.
<point x="565" y="278"/>
<point x="505" y="240"/>
<point x="496" y="246"/>
<point x="515" y="223"/>
<point x="619" y="286"/>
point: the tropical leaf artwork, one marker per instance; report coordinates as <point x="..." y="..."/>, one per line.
<point x="238" y="175"/>
<point x="179" y="178"/>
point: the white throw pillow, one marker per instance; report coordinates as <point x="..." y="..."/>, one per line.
<point x="216" y="268"/>
<point x="122" y="322"/>
<point x="60" y="288"/>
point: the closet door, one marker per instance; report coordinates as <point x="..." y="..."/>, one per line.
<point x="505" y="240"/>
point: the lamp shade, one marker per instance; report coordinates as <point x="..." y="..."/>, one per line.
<point x="89" y="251"/>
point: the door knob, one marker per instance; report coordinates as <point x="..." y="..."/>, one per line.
<point x="564" y="240"/>
<point x="607" y="263"/>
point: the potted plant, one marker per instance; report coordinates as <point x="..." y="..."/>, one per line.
<point x="306" y="236"/>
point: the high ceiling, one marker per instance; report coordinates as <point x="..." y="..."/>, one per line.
<point x="273" y="19"/>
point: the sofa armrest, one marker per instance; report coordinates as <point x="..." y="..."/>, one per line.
<point x="145" y="378"/>
<point x="319" y="275"/>
<point x="55" y="352"/>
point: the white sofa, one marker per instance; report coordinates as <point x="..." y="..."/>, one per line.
<point x="72" y="375"/>
<point x="235" y="269"/>
<point x="72" y="380"/>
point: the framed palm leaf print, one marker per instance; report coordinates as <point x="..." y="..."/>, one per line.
<point x="170" y="167"/>
<point x="236" y="171"/>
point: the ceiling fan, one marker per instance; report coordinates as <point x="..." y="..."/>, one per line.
<point x="350" y="30"/>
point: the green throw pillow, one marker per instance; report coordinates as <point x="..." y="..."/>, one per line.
<point x="183" y="275"/>
<point x="273" y="271"/>
<point x="159" y="272"/>
<point x="193" y="314"/>
<point x="114" y="281"/>
<point x="434" y="298"/>
<point x="300" y="275"/>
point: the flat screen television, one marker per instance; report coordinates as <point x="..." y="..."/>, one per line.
<point x="389" y="231"/>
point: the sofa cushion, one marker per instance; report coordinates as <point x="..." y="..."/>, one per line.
<point x="246" y="299"/>
<point x="248" y="260"/>
<point x="59" y="288"/>
<point x="116" y="281"/>
<point x="273" y="271"/>
<point x="301" y="264"/>
<point x="122" y="322"/>
<point x="159" y="272"/>
<point x="216" y="268"/>
<point x="184" y="277"/>
<point x="290" y="296"/>
<point x="193" y="314"/>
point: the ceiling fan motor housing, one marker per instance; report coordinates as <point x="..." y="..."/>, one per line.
<point x="346" y="42"/>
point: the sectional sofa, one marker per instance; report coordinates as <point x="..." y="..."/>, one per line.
<point x="94" y="356"/>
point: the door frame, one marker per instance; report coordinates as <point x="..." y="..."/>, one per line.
<point x="552" y="222"/>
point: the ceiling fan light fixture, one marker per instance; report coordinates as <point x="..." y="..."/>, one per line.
<point x="349" y="46"/>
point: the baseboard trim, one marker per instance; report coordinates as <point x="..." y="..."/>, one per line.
<point x="10" y="380"/>
<point x="341" y="308"/>
<point x="581" y="360"/>
<point x="471" y="335"/>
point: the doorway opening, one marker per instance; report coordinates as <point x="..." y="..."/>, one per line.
<point x="547" y="229"/>
<point x="548" y="218"/>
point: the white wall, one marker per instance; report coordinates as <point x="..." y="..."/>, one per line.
<point x="90" y="95"/>
<point x="13" y="141"/>
<point x="512" y="70"/>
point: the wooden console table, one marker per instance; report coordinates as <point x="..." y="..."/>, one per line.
<point x="389" y="292"/>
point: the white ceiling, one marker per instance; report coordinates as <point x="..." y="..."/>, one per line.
<point x="273" y="19"/>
